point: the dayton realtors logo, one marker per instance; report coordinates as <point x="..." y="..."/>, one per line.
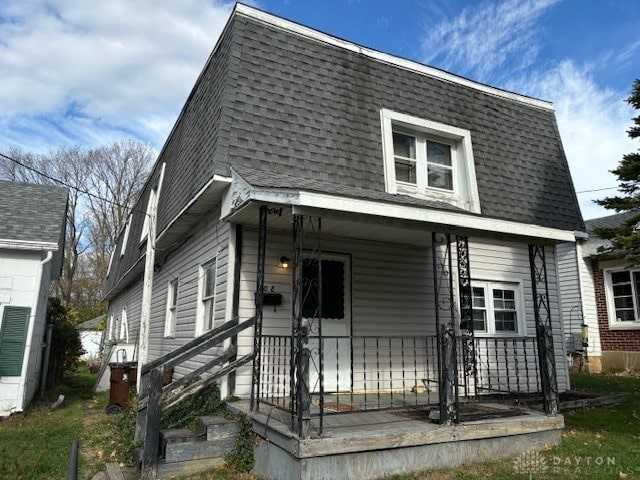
<point x="530" y="463"/>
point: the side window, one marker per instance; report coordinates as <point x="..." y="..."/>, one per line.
<point x="497" y="308"/>
<point x="207" y="295"/>
<point x="172" y="309"/>
<point x="124" y="327"/>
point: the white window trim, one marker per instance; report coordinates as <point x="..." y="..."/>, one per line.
<point x="611" y="309"/>
<point x="124" y="327"/>
<point x="504" y="284"/>
<point x="147" y="218"/>
<point x="112" y="321"/>
<point x="113" y="254"/>
<point x="171" y="315"/>
<point x="125" y="238"/>
<point x="465" y="188"/>
<point x="200" y="314"/>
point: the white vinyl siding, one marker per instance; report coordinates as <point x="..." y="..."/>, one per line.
<point x="210" y="238"/>
<point x="392" y="289"/>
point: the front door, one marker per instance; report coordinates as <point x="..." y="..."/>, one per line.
<point x="335" y="323"/>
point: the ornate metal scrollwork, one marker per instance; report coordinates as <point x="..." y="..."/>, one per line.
<point x="466" y="308"/>
<point x="544" y="333"/>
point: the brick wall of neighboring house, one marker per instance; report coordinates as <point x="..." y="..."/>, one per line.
<point x="616" y="340"/>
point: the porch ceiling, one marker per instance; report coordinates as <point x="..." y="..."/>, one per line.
<point x="341" y="224"/>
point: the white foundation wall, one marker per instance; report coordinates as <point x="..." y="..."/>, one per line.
<point x="20" y="286"/>
<point x="392" y="289"/>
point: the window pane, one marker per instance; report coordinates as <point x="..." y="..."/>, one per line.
<point x="439" y="153"/>
<point x="622" y="290"/>
<point x="478" y="297"/>
<point x="505" y="321"/>
<point x="620" y="277"/>
<point x="174" y="293"/>
<point x="404" y="145"/>
<point x="623" y="302"/>
<point x="333" y="278"/>
<point x="405" y="171"/>
<point x="479" y="320"/>
<point x="440" y="177"/>
<point x="625" y="316"/>
<point x="209" y="279"/>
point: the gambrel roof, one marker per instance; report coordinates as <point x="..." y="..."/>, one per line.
<point x="285" y="106"/>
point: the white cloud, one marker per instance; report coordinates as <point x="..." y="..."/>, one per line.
<point x="592" y="120"/>
<point x="482" y="39"/>
<point x="119" y="65"/>
<point x="499" y="43"/>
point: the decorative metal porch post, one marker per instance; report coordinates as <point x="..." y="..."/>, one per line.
<point x="306" y="315"/>
<point x="446" y="333"/>
<point x="466" y="312"/>
<point x="257" y="333"/>
<point x="544" y="333"/>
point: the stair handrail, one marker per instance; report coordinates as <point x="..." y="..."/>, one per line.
<point x="150" y="398"/>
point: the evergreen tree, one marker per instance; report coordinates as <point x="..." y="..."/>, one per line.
<point x="626" y="239"/>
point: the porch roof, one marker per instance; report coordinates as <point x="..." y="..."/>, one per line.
<point x="392" y="216"/>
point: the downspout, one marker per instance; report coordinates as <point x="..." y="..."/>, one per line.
<point x="32" y="325"/>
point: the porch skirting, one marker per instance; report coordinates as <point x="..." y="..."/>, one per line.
<point x="374" y="445"/>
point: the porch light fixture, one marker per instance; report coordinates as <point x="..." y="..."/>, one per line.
<point x="284" y="262"/>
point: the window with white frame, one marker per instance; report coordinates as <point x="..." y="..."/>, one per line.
<point x="428" y="159"/>
<point x="207" y="294"/>
<point x="172" y="309"/>
<point x="125" y="238"/>
<point x="497" y="308"/>
<point x="623" y="289"/>
<point x="124" y="327"/>
<point x="113" y="254"/>
<point x="112" y="328"/>
<point x="147" y="218"/>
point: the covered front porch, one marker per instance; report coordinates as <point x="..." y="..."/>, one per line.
<point x="325" y="356"/>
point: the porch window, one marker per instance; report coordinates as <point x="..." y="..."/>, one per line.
<point x="333" y="288"/>
<point x="124" y="327"/>
<point x="496" y="308"/>
<point x="428" y="159"/>
<point x="207" y="296"/>
<point x="172" y="309"/>
<point x="623" y="288"/>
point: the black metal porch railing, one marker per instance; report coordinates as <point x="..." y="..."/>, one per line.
<point x="364" y="373"/>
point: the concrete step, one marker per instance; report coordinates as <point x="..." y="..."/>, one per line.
<point x="197" y="449"/>
<point x="188" y="467"/>
<point x="170" y="436"/>
<point x="216" y="428"/>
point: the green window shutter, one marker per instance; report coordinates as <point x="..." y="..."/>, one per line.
<point x="13" y="336"/>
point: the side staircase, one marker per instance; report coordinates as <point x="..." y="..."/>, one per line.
<point x="166" y="453"/>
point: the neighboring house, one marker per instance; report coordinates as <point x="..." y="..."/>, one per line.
<point x="609" y="294"/>
<point x="92" y="337"/>
<point x="32" y="228"/>
<point x="363" y="207"/>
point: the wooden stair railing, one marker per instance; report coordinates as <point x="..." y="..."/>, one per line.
<point x="153" y="397"/>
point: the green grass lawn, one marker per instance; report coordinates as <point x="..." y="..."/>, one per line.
<point x="597" y="443"/>
<point x="36" y="444"/>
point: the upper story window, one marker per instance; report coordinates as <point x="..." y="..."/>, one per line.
<point x="623" y="291"/>
<point x="125" y="238"/>
<point x="151" y="205"/>
<point x="429" y="160"/>
<point x="497" y="308"/>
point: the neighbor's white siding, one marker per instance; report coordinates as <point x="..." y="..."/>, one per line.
<point x="19" y="286"/>
<point x="589" y="306"/>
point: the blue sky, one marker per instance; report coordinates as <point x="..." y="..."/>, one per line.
<point x="88" y="72"/>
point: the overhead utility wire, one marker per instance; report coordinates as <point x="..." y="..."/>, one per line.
<point x="61" y="182"/>
<point x="597" y="190"/>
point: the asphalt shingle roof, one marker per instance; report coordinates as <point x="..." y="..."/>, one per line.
<point x="610" y="221"/>
<point x="32" y="212"/>
<point x="289" y="111"/>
